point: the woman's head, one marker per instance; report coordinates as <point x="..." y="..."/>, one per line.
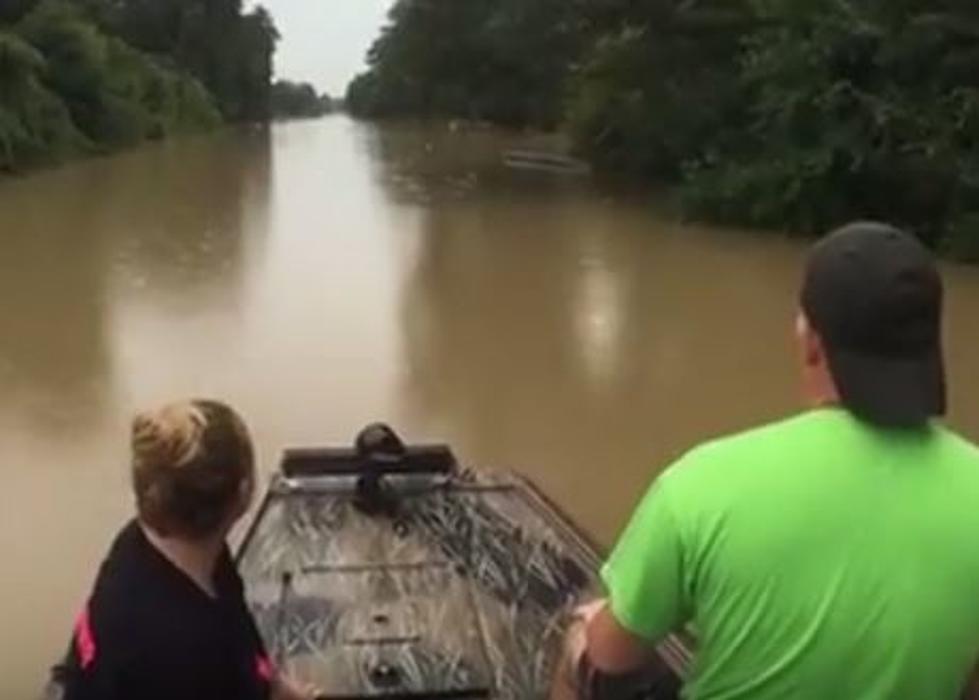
<point x="193" y="468"/>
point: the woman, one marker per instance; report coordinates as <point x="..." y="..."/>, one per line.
<point x="167" y="618"/>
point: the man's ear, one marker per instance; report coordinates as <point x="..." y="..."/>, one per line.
<point x="810" y="344"/>
<point x="246" y="493"/>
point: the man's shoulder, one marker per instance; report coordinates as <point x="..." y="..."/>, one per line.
<point x="958" y="444"/>
<point x="753" y="445"/>
<point x="960" y="454"/>
<point x="799" y="439"/>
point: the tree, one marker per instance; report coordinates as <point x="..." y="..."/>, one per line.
<point x="658" y="85"/>
<point x="291" y="100"/>
<point x="499" y="60"/>
<point x="33" y="121"/>
<point x="256" y="45"/>
<point x="857" y="110"/>
<point x="13" y="10"/>
<point x="228" y="50"/>
<point x="787" y="114"/>
<point x="86" y="75"/>
<point x="69" y="87"/>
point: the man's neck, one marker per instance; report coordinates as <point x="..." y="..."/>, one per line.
<point x="819" y="389"/>
<point x="197" y="559"/>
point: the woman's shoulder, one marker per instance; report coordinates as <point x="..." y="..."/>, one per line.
<point x="123" y="564"/>
<point x="226" y="575"/>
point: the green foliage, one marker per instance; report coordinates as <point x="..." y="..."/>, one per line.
<point x="142" y="99"/>
<point x="228" y="50"/>
<point x="658" y="88"/>
<point x="856" y="110"/>
<point x="33" y="121"/>
<point x="71" y="83"/>
<point x="13" y="10"/>
<point x="292" y="100"/>
<point x="499" y="60"/>
<point x="791" y="114"/>
<point x="255" y="42"/>
<point x="18" y="60"/>
<point x="115" y="94"/>
<point x="962" y="240"/>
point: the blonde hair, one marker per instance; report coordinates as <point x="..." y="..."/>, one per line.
<point x="190" y="461"/>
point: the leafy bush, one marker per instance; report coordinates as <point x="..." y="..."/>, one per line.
<point x="298" y="100"/>
<point x="789" y="114"/>
<point x="69" y="88"/>
<point x="662" y="87"/>
<point x="962" y="240"/>
<point x="500" y="60"/>
<point x="855" y="111"/>
<point x="34" y="123"/>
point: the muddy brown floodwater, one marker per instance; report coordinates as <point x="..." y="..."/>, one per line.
<point x="325" y="274"/>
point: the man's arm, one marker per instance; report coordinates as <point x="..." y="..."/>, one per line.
<point x="611" y="648"/>
<point x="597" y="645"/>
<point x="646" y="600"/>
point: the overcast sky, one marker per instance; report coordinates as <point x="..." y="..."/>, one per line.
<point x="324" y="41"/>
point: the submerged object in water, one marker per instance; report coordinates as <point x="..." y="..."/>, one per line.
<point x="387" y="571"/>
<point x="546" y="161"/>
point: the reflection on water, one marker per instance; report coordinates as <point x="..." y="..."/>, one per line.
<point x="573" y="338"/>
<point x="53" y="355"/>
<point x="93" y="255"/>
<point x="325" y="274"/>
<point x="165" y="226"/>
<point x="182" y="236"/>
<point x="599" y="316"/>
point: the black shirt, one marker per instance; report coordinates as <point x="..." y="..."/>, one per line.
<point x="150" y="633"/>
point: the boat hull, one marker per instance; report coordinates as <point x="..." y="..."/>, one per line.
<point x="462" y="585"/>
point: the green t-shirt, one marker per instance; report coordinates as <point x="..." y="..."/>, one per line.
<point x="816" y="558"/>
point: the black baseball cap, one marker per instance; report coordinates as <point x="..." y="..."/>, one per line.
<point x="873" y="294"/>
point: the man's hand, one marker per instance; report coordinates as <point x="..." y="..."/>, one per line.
<point x="565" y="685"/>
<point x="284" y="688"/>
<point x="577" y="639"/>
<point x="610" y="649"/>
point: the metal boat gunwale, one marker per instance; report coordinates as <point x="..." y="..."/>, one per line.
<point x="450" y="476"/>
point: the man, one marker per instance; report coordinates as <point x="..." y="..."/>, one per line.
<point x="833" y="555"/>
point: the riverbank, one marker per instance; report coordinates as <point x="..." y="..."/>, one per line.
<point x="777" y="116"/>
<point x="89" y="78"/>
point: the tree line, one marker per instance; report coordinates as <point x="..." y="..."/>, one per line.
<point x="291" y="100"/>
<point x="84" y="76"/>
<point x="784" y="114"/>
